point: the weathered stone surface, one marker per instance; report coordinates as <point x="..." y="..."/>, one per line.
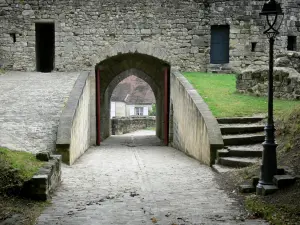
<point x="117" y="184"/>
<point x="125" y="125"/>
<point x="289" y="59"/>
<point x="254" y="80"/>
<point x="88" y="31"/>
<point x="31" y="104"/>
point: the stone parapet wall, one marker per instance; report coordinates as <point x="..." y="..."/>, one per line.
<point x="86" y="32"/>
<point x="195" y="131"/>
<point x="125" y="125"/>
<point x="73" y="137"/>
<point x="254" y="81"/>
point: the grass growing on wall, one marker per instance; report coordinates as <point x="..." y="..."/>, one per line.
<point x="219" y="92"/>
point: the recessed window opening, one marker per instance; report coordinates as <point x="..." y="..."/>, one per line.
<point x="253" y="46"/>
<point x="13" y="36"/>
<point x="292" y="40"/>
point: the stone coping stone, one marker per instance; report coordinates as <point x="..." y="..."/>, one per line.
<point x="212" y="126"/>
<point x="68" y="114"/>
<point x="45" y="181"/>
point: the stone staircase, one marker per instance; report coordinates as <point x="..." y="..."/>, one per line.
<point x="243" y="138"/>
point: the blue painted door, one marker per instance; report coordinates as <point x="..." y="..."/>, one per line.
<point x="219" y="51"/>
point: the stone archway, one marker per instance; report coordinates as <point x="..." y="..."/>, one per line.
<point x="111" y="71"/>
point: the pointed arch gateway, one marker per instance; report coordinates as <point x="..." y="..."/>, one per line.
<point x="109" y="72"/>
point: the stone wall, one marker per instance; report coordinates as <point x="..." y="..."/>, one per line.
<point x="130" y="124"/>
<point x="73" y="137"/>
<point x="86" y="32"/>
<point x="193" y="130"/>
<point x="254" y="80"/>
<point x="45" y="181"/>
<point x="289" y="59"/>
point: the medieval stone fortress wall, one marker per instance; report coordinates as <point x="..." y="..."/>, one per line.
<point x="81" y="32"/>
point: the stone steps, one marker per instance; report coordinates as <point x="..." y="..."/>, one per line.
<point x="241" y="151"/>
<point x="237" y="162"/>
<point x="240" y="120"/>
<point x="243" y="138"/>
<point x="241" y="128"/>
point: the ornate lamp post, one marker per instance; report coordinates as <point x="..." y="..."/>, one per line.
<point x="273" y="11"/>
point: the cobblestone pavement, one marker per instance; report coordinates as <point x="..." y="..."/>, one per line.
<point x="31" y="104"/>
<point x="125" y="182"/>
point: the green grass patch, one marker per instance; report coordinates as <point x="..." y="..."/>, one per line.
<point x="15" y="168"/>
<point x="219" y="92"/>
<point x="275" y="213"/>
<point x="24" y="162"/>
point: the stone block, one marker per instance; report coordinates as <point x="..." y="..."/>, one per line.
<point x="268" y="189"/>
<point x="43" y="156"/>
<point x="282" y="181"/>
<point x="247" y="188"/>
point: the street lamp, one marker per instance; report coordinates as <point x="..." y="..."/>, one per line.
<point x="274" y="16"/>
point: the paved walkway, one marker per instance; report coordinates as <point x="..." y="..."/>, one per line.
<point x="31" y="105"/>
<point x="132" y="180"/>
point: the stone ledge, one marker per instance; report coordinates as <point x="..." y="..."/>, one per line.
<point x="68" y="114"/>
<point x="45" y="181"/>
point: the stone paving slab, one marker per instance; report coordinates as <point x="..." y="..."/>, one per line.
<point x="31" y="105"/>
<point x="123" y="183"/>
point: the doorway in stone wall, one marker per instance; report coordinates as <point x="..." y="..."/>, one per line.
<point x="44" y="35"/>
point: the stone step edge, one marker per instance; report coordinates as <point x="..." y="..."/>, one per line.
<point x="235" y="163"/>
<point x="243" y="153"/>
<point x="234" y="120"/>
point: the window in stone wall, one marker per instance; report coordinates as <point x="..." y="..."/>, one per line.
<point x="292" y="40"/>
<point x="253" y="46"/>
<point x="13" y="36"/>
<point x="139" y="111"/>
<point x="219" y="46"/>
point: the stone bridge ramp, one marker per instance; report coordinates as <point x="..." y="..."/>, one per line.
<point x="130" y="179"/>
